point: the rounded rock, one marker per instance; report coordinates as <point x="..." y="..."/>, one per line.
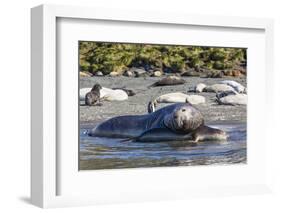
<point x="157" y="74"/>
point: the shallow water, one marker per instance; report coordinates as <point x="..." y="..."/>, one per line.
<point x="112" y="153"/>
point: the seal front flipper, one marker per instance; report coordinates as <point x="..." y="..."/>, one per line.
<point x="206" y="133"/>
<point x="161" y="135"/>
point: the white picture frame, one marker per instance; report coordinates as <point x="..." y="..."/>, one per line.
<point x="45" y="178"/>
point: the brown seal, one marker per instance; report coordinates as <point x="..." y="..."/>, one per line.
<point x="168" y="81"/>
<point x="93" y="97"/>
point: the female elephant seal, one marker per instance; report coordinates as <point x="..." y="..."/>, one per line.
<point x="175" y="97"/>
<point x="168" y="81"/>
<point x="175" y="122"/>
<point x="231" y="98"/>
<point x="107" y="94"/>
<point x="213" y="88"/>
<point x="237" y="86"/>
<point x="223" y="86"/>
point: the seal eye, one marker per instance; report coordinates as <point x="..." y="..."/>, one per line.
<point x="183" y="110"/>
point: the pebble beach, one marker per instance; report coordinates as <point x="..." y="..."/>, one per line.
<point x="137" y="104"/>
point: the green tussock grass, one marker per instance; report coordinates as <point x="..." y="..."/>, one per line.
<point x="119" y="57"/>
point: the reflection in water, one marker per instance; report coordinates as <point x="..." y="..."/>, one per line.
<point x="112" y="153"/>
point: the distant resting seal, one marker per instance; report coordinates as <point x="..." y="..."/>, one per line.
<point x="231" y="98"/>
<point x="113" y="95"/>
<point x="168" y="81"/>
<point x="213" y="88"/>
<point x="106" y="94"/>
<point x="235" y="85"/>
<point x="222" y="86"/>
<point x="93" y="96"/>
<point x="128" y="91"/>
<point x="171" y="123"/>
<point x="176" y="97"/>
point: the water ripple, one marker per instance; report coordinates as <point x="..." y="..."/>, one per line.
<point x="109" y="153"/>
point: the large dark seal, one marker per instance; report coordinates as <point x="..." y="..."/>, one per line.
<point x="93" y="97"/>
<point x="175" y="122"/>
<point x="168" y="81"/>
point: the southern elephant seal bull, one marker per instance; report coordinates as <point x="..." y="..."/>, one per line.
<point x="175" y="122"/>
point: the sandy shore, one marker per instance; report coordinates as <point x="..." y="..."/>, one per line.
<point x="138" y="104"/>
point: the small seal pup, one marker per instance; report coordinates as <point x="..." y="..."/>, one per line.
<point x="168" y="81"/>
<point x="176" y="97"/>
<point x="93" y="97"/>
<point x="176" y="122"/>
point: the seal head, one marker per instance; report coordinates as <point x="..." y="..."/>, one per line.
<point x="184" y="119"/>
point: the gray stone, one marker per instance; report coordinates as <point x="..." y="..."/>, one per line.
<point x="140" y="72"/>
<point x="191" y="73"/>
<point x="113" y="74"/>
<point x="129" y="73"/>
<point x="99" y="73"/>
<point x="157" y="73"/>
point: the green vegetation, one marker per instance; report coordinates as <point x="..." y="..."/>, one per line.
<point x="117" y="57"/>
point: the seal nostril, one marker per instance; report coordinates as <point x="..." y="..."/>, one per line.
<point x="175" y="117"/>
<point x="183" y="110"/>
